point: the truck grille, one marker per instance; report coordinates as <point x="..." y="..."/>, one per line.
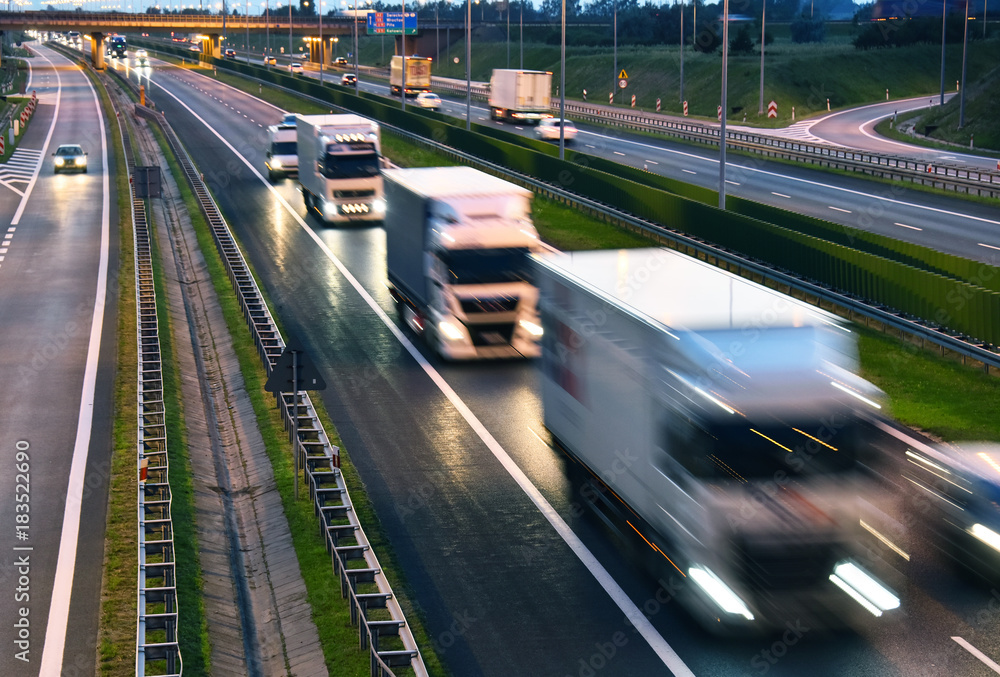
<point x="785" y="566"/>
<point x="490" y="334"/>
<point x="494" y="305"/>
<point x="363" y="192"/>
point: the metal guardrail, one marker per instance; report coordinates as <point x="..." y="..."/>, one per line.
<point x="345" y="539"/>
<point x="157" y="623"/>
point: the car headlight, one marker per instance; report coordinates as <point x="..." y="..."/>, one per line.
<point x="59" y="162"/>
<point x="378" y="206"/>
<point x="450" y="331"/>
<point x="276" y="163"/>
<point x="82" y="160"/>
<point x="531" y="327"/>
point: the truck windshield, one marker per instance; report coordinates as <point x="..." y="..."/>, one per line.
<point x="484" y="266"/>
<point x="283" y="148"/>
<point x="341" y="165"/>
<point x="746" y="452"/>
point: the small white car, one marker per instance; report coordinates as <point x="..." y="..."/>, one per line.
<point x="295" y="68"/>
<point x="428" y="100"/>
<point x="548" y="129"/>
<point x="141" y="57"/>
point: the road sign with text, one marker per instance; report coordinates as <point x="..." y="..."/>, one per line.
<point x="392" y="23"/>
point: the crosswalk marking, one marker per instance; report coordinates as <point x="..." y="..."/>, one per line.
<point x="20" y="168"/>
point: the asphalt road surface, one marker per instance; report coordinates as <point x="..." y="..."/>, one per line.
<point x="57" y="329"/>
<point x="512" y="572"/>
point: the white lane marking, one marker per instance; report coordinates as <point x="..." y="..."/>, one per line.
<point x="589" y="146"/>
<point x="807" y="182"/>
<point x="903" y="225"/>
<point x="652" y="162"/>
<point x="987" y="245"/>
<point x="789" y="197"/>
<point x="978" y="654"/>
<point x="62" y="586"/>
<point x="617" y="153"/>
<point x="619" y="597"/>
<point x="688" y="171"/>
<point x="838" y="209"/>
<point x="3" y="250"/>
<point x="45" y="146"/>
<point x="732" y="182"/>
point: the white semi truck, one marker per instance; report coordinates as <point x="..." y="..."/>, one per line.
<point x="457" y="246"/>
<point x="520" y="96"/>
<point x="339" y="164"/>
<point x="418" y="75"/>
<point x="729" y="418"/>
<point x="282" y="158"/>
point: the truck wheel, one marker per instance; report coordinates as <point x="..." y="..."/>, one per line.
<point x="307" y="198"/>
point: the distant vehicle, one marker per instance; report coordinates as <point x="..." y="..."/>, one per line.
<point x="282" y="156"/>
<point x="418" y="75"/>
<point x="548" y="129"/>
<point x="270" y="61"/>
<point x="300" y="56"/>
<point x="117" y="46"/>
<point x="295" y="68"/>
<point x="340" y="61"/>
<point x="428" y="100"/>
<point x="961" y="487"/>
<point x="712" y="426"/>
<point x="349" y="79"/>
<point x="520" y="96"/>
<point x="340" y="158"/>
<point x="457" y="242"/>
<point x="141" y="57"/>
<point x="229" y="53"/>
<point x="70" y="157"/>
<point x="288" y="120"/>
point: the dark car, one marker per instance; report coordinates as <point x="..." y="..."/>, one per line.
<point x="349" y="79"/>
<point x="70" y="157"/>
<point x="229" y="53"/>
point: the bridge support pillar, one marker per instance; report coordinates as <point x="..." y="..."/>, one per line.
<point x="317" y="53"/>
<point x="211" y="45"/>
<point x="97" y="50"/>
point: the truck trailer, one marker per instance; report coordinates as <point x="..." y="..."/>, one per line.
<point x="457" y="246"/>
<point x="729" y="418"/>
<point x="520" y="96"/>
<point x="339" y="164"/>
<point x="418" y="75"/>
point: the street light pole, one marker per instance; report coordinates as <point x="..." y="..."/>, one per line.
<point x="763" y="24"/>
<point x="614" y="65"/>
<point x="521" y="35"/>
<point x="682" y="52"/>
<point x="356" y="84"/>
<point x="562" y="86"/>
<point x="722" y="127"/>
<point x="246" y="20"/>
<point x="322" y="55"/>
<point x="965" y="50"/>
<point x="508" y="32"/>
<point x="468" y="65"/>
<point x="291" y="55"/>
<point x="402" y="93"/>
<point x="944" y="8"/>
<point x="267" y="26"/>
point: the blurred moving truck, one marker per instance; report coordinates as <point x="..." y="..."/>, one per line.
<point x="339" y="163"/>
<point x="729" y="418"/>
<point x="282" y="157"/>
<point x="418" y="75"/>
<point x="457" y="246"/>
<point x="520" y="96"/>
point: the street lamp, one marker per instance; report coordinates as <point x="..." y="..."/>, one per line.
<point x="468" y="65"/>
<point x="682" y="53"/>
<point x="336" y="48"/>
<point x="944" y="12"/>
<point x="965" y="50"/>
<point x="521" y="34"/>
<point x="402" y="93"/>
<point x="322" y="56"/>
<point x="722" y="127"/>
<point x="562" y="87"/>
<point x="267" y="27"/>
<point x="763" y="19"/>
<point x="246" y="20"/>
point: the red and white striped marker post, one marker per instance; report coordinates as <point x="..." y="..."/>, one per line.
<point x="657" y="105"/>
<point x="720" y="113"/>
<point x="633" y="101"/>
<point x="772" y="109"/>
<point x="685" y="109"/>
<point x="611" y="97"/>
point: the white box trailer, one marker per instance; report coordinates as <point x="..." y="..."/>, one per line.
<point x="520" y="95"/>
<point x="457" y="246"/>
<point x="729" y="418"/>
<point x="339" y="164"/>
<point x="418" y="75"/>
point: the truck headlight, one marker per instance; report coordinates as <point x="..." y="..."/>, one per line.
<point x="531" y="327"/>
<point x="863" y="588"/>
<point x="720" y="593"/>
<point x="986" y="535"/>
<point x="450" y="331"/>
<point x="378" y="206"/>
<point x="276" y="163"/>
